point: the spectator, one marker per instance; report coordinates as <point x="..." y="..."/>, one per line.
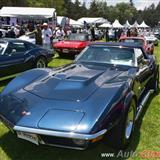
<point x="46" y="35"/>
<point x="93" y="33"/>
<point x="107" y="35"/>
<point x="60" y="33"/>
<point x="38" y="35"/>
<point x="1" y="34"/>
<point x="128" y="32"/>
<point x="11" y="33"/>
<point x="16" y="31"/>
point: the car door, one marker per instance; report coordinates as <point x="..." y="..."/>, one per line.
<point x="14" y="58"/>
<point x="144" y="71"/>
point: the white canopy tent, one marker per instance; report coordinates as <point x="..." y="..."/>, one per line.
<point x="135" y="25"/>
<point x="75" y="23"/>
<point x="143" y="25"/>
<point x="105" y="25"/>
<point x="127" y="25"/>
<point x="27" y="12"/>
<point x="95" y="20"/>
<point x="116" y="24"/>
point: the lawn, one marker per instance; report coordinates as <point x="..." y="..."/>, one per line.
<point x="147" y="136"/>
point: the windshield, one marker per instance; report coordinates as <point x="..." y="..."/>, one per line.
<point x="2" y="47"/>
<point x="108" y="55"/>
<point x="136" y="41"/>
<point x="78" y="37"/>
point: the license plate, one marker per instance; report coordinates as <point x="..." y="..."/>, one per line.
<point x="28" y="136"/>
<point x="65" y="51"/>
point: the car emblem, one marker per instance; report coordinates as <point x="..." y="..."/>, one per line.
<point x="25" y="113"/>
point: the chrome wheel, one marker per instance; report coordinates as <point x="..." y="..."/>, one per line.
<point x="41" y="63"/>
<point x="129" y="121"/>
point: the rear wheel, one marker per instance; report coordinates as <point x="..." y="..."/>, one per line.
<point x="121" y="135"/>
<point x="41" y="62"/>
<point x="156" y="82"/>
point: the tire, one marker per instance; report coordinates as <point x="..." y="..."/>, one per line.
<point x="121" y="135"/>
<point x="62" y="55"/>
<point x="41" y="62"/>
<point x="156" y="83"/>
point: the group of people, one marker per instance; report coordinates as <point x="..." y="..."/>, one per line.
<point x="44" y="34"/>
<point x="115" y="34"/>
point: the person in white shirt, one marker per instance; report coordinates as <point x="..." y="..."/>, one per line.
<point x="60" y="33"/>
<point x="46" y="35"/>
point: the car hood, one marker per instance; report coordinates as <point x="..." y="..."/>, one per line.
<point x="70" y="44"/>
<point x="72" y="99"/>
<point x="75" y="84"/>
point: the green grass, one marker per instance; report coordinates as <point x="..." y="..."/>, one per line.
<point x="146" y="136"/>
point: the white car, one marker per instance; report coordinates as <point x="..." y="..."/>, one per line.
<point x="28" y="37"/>
<point x="4" y="32"/>
<point x="152" y="39"/>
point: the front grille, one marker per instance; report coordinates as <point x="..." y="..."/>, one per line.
<point x="60" y="141"/>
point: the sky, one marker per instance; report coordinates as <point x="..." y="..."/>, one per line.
<point x="139" y="4"/>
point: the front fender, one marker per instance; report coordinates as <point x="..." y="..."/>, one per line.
<point x="24" y="79"/>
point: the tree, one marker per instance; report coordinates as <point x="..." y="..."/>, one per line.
<point x="131" y="3"/>
<point x="93" y="9"/>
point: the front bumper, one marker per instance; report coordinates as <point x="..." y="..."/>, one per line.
<point x="61" y="139"/>
<point x="60" y="134"/>
<point x="73" y="51"/>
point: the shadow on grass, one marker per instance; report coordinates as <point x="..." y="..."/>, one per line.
<point x="3" y="83"/>
<point x="18" y="149"/>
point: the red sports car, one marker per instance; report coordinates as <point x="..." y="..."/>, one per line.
<point x="73" y="45"/>
<point x="149" y="48"/>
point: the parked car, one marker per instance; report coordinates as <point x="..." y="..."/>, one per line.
<point x="18" y="55"/>
<point x="3" y="32"/>
<point x="148" y="47"/>
<point x="102" y="94"/>
<point x="30" y="37"/>
<point x="73" y="45"/>
<point x="151" y="39"/>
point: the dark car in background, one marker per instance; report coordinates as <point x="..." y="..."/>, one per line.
<point x="100" y="96"/>
<point x="18" y="55"/>
<point x="73" y="45"/>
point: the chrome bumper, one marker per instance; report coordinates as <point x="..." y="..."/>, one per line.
<point x="61" y="134"/>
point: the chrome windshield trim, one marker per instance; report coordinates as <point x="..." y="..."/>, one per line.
<point x="60" y="134"/>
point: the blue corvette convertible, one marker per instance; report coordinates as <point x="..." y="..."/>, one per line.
<point x="100" y="95"/>
<point x="18" y="55"/>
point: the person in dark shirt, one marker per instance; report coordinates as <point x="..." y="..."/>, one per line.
<point x="107" y="35"/>
<point x="93" y="33"/>
<point x="11" y="33"/>
<point x="38" y="35"/>
<point x="128" y="32"/>
<point x="1" y="34"/>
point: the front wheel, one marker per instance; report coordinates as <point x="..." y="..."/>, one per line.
<point x="41" y="63"/>
<point x="121" y="135"/>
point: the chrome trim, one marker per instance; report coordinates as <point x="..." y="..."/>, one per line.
<point x="60" y="134"/>
<point x="142" y="104"/>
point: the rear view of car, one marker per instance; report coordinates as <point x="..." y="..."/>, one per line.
<point x="139" y="41"/>
<point x="73" y="45"/>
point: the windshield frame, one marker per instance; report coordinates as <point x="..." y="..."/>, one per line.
<point x="96" y="62"/>
<point x="84" y="35"/>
